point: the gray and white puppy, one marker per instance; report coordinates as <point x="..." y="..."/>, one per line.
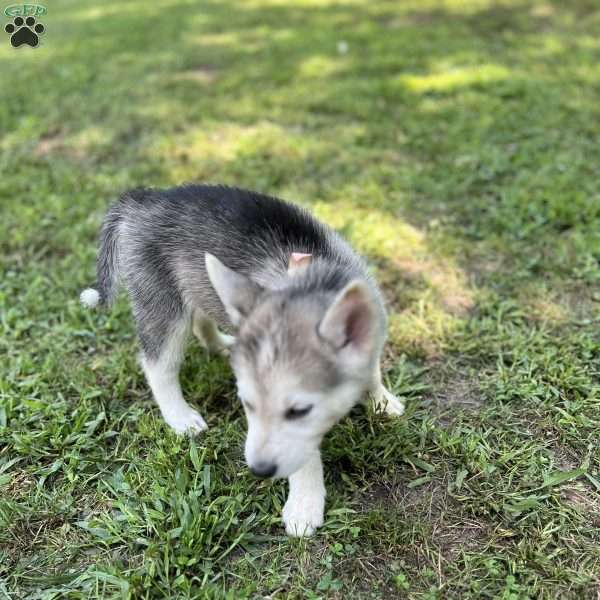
<point x="309" y="319"/>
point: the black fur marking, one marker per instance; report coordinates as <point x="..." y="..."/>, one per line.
<point x="244" y="215"/>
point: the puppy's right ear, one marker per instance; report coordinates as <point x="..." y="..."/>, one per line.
<point x="237" y="293"/>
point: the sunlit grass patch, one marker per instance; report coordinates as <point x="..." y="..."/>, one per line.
<point x="452" y="77"/>
<point x="203" y="151"/>
<point x="433" y="293"/>
<point x="373" y="231"/>
<point x="422" y="328"/>
<point x="319" y="66"/>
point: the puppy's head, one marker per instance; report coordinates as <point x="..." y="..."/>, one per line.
<point x="301" y="361"/>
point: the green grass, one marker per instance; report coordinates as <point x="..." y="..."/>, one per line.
<point x="457" y="145"/>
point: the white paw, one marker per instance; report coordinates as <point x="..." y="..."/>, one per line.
<point x="221" y="344"/>
<point x="226" y="342"/>
<point x="394" y="406"/>
<point x="389" y="403"/>
<point x="222" y="352"/>
<point x="212" y="351"/>
<point x="186" y="420"/>
<point x="302" y="517"/>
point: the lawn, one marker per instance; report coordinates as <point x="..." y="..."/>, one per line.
<point x="457" y="145"/>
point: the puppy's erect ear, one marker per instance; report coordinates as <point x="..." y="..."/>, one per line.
<point x="350" y="323"/>
<point x="237" y="293"/>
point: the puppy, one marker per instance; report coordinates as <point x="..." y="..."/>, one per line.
<point x="308" y="318"/>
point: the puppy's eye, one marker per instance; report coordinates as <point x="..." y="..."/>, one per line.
<point x="297" y="413"/>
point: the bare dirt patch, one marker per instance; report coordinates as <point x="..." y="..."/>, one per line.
<point x="459" y="392"/>
<point x="447" y="281"/>
<point x="451" y="388"/>
<point x="51" y="141"/>
<point x="583" y="500"/>
<point x="452" y="529"/>
<point x="55" y="143"/>
<point x="19" y="486"/>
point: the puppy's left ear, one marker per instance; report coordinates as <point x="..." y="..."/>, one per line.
<point x="350" y="323"/>
<point x="237" y="293"/>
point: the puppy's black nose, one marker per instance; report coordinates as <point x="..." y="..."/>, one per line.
<point x="263" y="469"/>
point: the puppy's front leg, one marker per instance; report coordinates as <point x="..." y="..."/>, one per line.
<point x="305" y="506"/>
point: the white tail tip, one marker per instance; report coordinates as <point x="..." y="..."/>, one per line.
<point x="89" y="298"/>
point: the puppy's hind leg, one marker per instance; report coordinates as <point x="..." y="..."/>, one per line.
<point x="207" y="332"/>
<point x="383" y="399"/>
<point x="161" y="364"/>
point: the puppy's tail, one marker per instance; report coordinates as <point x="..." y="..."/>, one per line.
<point x="107" y="263"/>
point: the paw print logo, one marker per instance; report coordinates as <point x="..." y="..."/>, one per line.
<point x="24" y="32"/>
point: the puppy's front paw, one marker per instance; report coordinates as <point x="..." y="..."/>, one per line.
<point x="226" y="341"/>
<point x="394" y="406"/>
<point x="302" y="516"/>
<point x="186" y="420"/>
<point x="390" y="404"/>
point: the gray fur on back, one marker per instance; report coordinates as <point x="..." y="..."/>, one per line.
<point x="157" y="240"/>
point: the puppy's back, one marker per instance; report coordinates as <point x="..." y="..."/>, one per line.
<point x="163" y="236"/>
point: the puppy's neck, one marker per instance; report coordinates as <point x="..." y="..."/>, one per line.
<point x="289" y="270"/>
